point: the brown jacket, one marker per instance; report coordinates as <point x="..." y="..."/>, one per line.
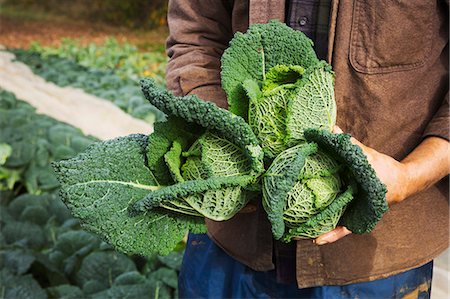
<point x="391" y="65"/>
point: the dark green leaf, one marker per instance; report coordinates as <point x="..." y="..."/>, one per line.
<point x="103" y="267"/>
<point x="65" y="291"/>
<point x="23" y="287"/>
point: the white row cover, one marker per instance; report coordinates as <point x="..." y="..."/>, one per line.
<point x="93" y="115"/>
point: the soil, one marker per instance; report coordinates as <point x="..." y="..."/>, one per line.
<point x="19" y="32"/>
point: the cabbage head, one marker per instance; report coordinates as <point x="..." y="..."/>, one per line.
<point x="304" y="192"/>
<point x="213" y="156"/>
<point x="288" y="100"/>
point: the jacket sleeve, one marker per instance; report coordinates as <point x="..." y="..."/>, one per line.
<point x="439" y="124"/>
<point x="199" y="33"/>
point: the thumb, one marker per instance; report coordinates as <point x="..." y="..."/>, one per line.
<point x="332" y="236"/>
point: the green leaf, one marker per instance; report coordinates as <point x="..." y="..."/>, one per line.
<point x="18" y="261"/>
<point x="196" y="188"/>
<point x="65" y="291"/>
<point x="135" y="291"/>
<point x="252" y="89"/>
<point x="313" y="106"/>
<point x="160" y="141"/>
<point x="70" y="248"/>
<point x="35" y="214"/>
<point x="99" y="185"/>
<point x="93" y="286"/>
<point x="173" y="161"/>
<point x="166" y="275"/>
<point x="324" y="221"/>
<point x="24" y="201"/>
<point x="24" y="286"/>
<point x="173" y="260"/>
<point x="363" y="213"/>
<point x="282" y="76"/>
<point x="5" y="152"/>
<point x="280" y="179"/>
<point x="8" y="178"/>
<point x="129" y="278"/>
<point x="24" y="233"/>
<point x="209" y="116"/>
<point x="58" y="210"/>
<point x="103" y="267"/>
<point x="252" y="54"/>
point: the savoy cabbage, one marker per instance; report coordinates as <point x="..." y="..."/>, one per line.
<point x="273" y="78"/>
<point x="143" y="193"/>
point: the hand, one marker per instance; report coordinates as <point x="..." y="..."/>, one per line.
<point x="423" y="167"/>
<point x="391" y="172"/>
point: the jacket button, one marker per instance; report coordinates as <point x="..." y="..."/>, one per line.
<point x="302" y="21"/>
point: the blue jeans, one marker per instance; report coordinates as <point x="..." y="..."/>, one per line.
<point x="208" y="272"/>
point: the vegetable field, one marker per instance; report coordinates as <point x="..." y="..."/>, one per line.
<point x="88" y="130"/>
<point x="44" y="252"/>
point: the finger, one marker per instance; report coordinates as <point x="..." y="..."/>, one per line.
<point x="332" y="236"/>
<point x="249" y="208"/>
<point x="357" y="142"/>
<point x="366" y="150"/>
<point x="337" y="130"/>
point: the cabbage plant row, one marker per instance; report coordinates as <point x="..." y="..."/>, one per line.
<point x="124" y="92"/>
<point x="44" y="253"/>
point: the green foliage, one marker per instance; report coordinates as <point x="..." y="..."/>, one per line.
<point x="216" y="157"/>
<point x="252" y="54"/>
<point x="7" y="177"/>
<point x="127" y="190"/>
<point x="35" y="141"/>
<point x="124" y="58"/>
<point x="97" y="263"/>
<point x="370" y="204"/>
<point x="267" y="111"/>
<point x="162" y="139"/>
<point x="42" y="248"/>
<point x="286" y="94"/>
<point x="279" y="180"/>
<point x="112" y="176"/>
<point x="124" y="92"/>
<point x="5" y="152"/>
<point x="24" y="286"/>
<point x="314" y="105"/>
<point x="288" y="90"/>
<point x="65" y="291"/>
<point x="304" y="191"/>
<point x="188" y="188"/>
<point x="58" y="260"/>
<point x="311" y="191"/>
<point x="206" y="114"/>
<point x="173" y="161"/>
<point x="323" y="221"/>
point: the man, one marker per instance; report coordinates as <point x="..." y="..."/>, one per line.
<point x="391" y="65"/>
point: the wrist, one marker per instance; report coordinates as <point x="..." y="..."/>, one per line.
<point x="426" y="165"/>
<point x="406" y="186"/>
<point x="402" y="188"/>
